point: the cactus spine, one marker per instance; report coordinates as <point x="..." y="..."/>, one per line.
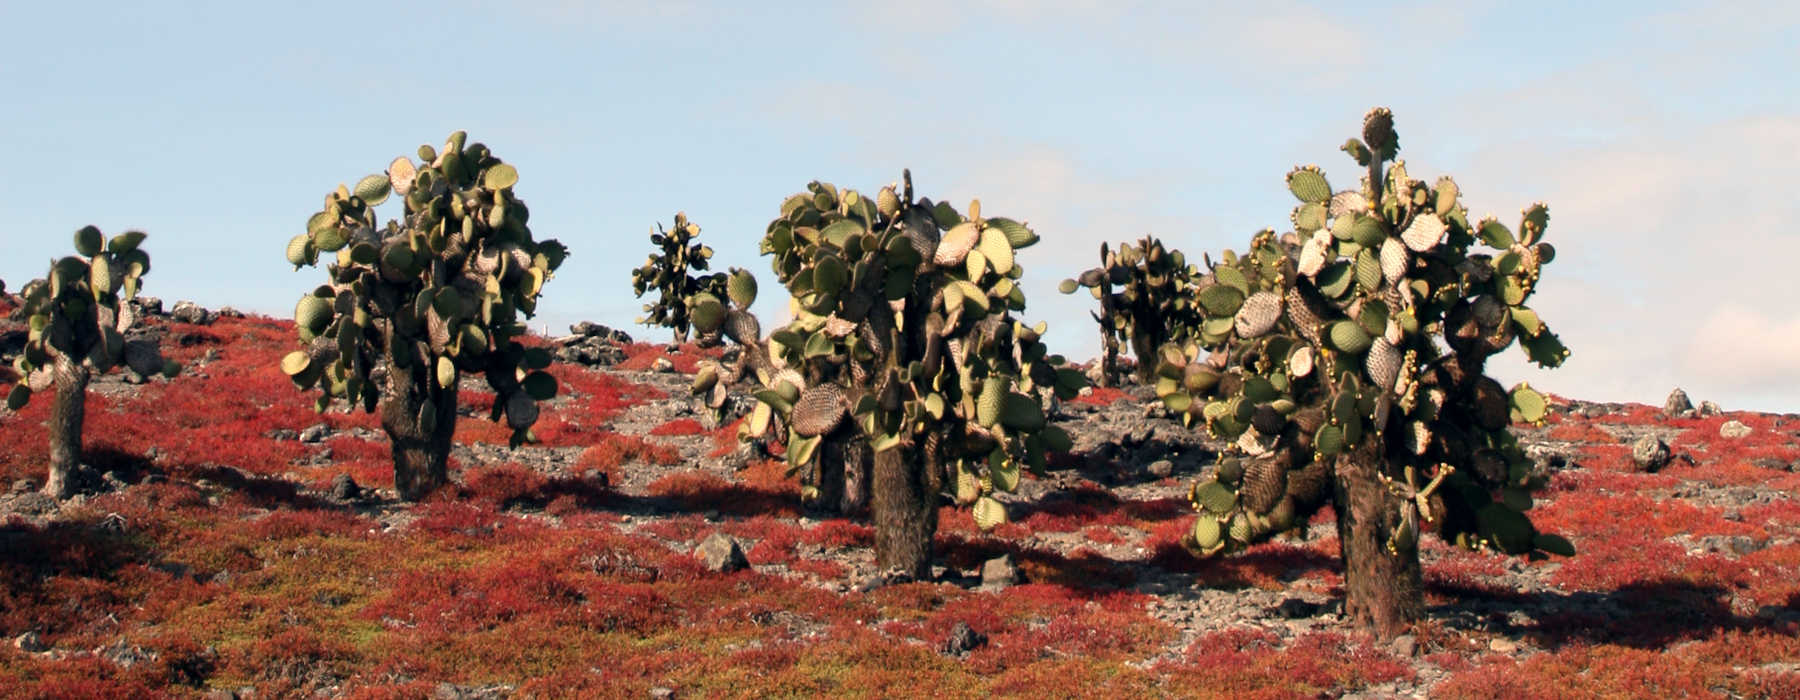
<point x="903" y="337"/>
<point x="668" y="274"/>
<point x="409" y="307"/>
<point x="1318" y="359"/>
<point x="81" y="321"/>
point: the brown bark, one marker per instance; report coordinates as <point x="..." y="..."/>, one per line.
<point x="68" y="411"/>
<point x="843" y="471"/>
<point x="1384" y="592"/>
<point x="905" y="509"/>
<point x="420" y="456"/>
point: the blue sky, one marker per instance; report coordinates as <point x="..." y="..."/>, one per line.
<point x="1665" y="138"/>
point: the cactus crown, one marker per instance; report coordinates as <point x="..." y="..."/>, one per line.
<point x="1323" y="341"/>
<point x="438" y="292"/>
<point x="667" y="273"/>
<point x="80" y="311"/>
<point x="1153" y="302"/>
<point x="903" y="331"/>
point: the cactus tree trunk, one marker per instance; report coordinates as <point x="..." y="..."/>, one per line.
<point x="420" y="456"/>
<point x="1384" y="591"/>
<point x="67" y="413"/>
<point x="843" y="464"/>
<point x="905" y="509"/>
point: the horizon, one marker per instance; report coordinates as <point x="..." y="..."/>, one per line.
<point x="1658" y="134"/>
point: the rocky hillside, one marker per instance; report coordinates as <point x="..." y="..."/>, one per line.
<point x="232" y="543"/>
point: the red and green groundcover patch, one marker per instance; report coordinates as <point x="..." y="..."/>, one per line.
<point x="565" y="569"/>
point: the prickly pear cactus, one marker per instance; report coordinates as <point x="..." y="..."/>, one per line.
<point x="1153" y="303"/>
<point x="1351" y="351"/>
<point x="80" y="318"/>
<point x="667" y="273"/>
<point x="409" y="306"/>
<point x="903" y="336"/>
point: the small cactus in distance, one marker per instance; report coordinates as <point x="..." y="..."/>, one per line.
<point x="81" y="317"/>
<point x="1345" y="361"/>
<point x="1153" y="304"/>
<point x="410" y="306"/>
<point x="903" y="338"/>
<point x="667" y="273"/>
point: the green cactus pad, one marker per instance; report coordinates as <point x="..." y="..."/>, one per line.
<point x="1207" y="532"/>
<point x="1309" y="217"/>
<point x="1221" y="300"/>
<point x="1334" y="281"/>
<point x="1444" y="196"/>
<point x="1018" y="235"/>
<point x="1368" y="271"/>
<point x="1367" y="232"/>
<point x="1554" y="544"/>
<point x="1495" y="234"/>
<point x="999" y="252"/>
<point x="18" y="396"/>
<point x="989" y="402"/>
<point x="706" y="313"/>
<point x="329" y="239"/>
<point x="1529" y="403"/>
<point x="1232" y="277"/>
<point x="88" y="241"/>
<point x="1240" y="528"/>
<point x="500" y="177"/>
<point x="988" y="513"/>
<point x="1309" y="185"/>
<point x="1349" y="337"/>
<point x="373" y="189"/>
<point x="1231" y="469"/>
<point x="1532" y="222"/>
<point x="1506" y="529"/>
<point x="295" y="362"/>
<point x="1328" y="441"/>
<point x="741" y="288"/>
<point x="125" y="242"/>
<point x="1214" y="497"/>
<point x="540" y="386"/>
<point x="312" y="313"/>
<point x="1373" y="317"/>
<point x="1020" y="412"/>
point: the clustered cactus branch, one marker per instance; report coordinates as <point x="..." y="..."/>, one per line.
<point x="80" y="317"/>
<point x="1153" y="305"/>
<point x="1320" y="358"/>
<point x="410" y="306"/>
<point x="903" y="337"/>
<point x="668" y="274"/>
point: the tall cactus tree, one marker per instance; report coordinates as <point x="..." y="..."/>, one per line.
<point x="80" y="315"/>
<point x="903" y="337"/>
<point x="408" y="307"/>
<point x="1153" y="304"/>
<point x="668" y="274"/>
<point x="1320" y="357"/>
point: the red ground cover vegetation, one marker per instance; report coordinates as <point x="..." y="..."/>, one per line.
<point x="228" y="570"/>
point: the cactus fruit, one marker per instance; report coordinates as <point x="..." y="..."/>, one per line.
<point x="1368" y="408"/>
<point x="411" y="306"/>
<point x="82" y="322"/>
<point x="904" y="331"/>
<point x="667" y="272"/>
